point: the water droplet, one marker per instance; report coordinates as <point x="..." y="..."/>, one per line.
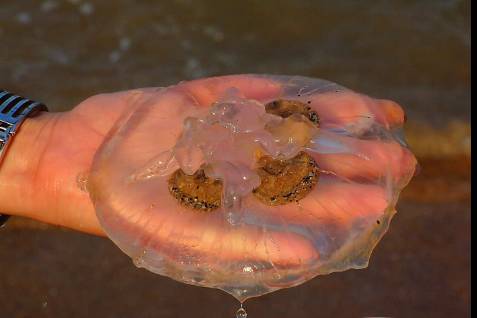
<point x="82" y="181"/>
<point x="241" y="313"/>
<point x="139" y="260"/>
<point x="247" y="269"/>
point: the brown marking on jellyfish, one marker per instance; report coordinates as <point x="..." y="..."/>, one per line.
<point x="285" y="181"/>
<point x="285" y="108"/>
<point x="282" y="181"/>
<point x="196" y="191"/>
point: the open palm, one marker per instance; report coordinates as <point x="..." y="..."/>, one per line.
<point x="67" y="142"/>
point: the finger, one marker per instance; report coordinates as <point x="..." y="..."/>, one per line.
<point x="389" y="112"/>
<point x="208" y="90"/>
<point x="332" y="201"/>
<point x="342" y="107"/>
<point x="335" y="108"/>
<point x="367" y="159"/>
<point x="347" y="107"/>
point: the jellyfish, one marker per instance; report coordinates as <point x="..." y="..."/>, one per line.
<point x="251" y="183"/>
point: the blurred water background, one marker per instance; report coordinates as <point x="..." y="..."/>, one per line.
<point x="414" y="52"/>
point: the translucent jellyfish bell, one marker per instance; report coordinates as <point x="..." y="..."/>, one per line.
<point x="251" y="183"/>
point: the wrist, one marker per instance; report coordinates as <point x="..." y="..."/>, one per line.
<point x="38" y="176"/>
<point x="18" y="193"/>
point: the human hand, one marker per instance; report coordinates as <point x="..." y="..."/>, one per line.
<point x="41" y="175"/>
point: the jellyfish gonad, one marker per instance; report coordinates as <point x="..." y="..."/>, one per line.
<point x="251" y="183"/>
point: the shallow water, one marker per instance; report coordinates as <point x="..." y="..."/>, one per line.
<point x="414" y="52"/>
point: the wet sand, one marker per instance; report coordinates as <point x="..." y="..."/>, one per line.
<point x="414" y="52"/>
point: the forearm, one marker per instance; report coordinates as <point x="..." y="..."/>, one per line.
<point x="34" y="181"/>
